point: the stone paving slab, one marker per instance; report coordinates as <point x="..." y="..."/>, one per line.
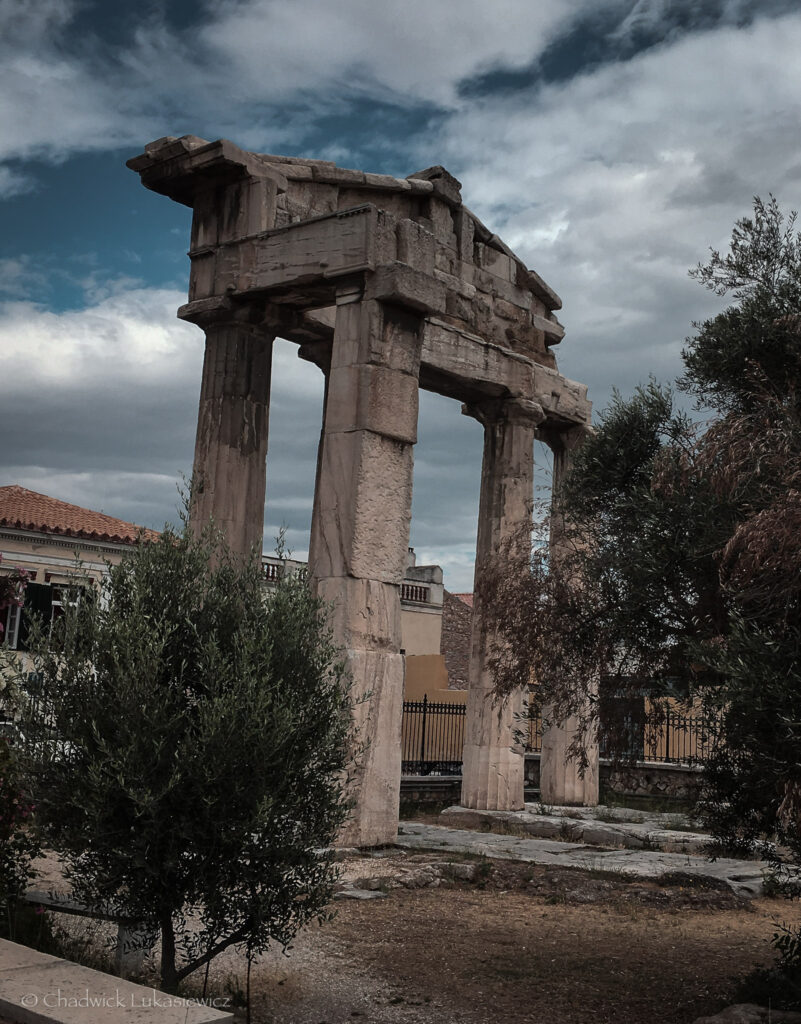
<point x="743" y="877"/>
<point x="39" y="989"/>
<point x="651" y="832"/>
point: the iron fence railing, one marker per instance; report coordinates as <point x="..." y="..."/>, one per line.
<point x="680" y="738"/>
<point x="433" y="737"/>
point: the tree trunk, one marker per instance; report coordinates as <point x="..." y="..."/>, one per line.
<point x="169" y="975"/>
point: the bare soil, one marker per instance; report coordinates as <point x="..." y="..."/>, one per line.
<point x="518" y="943"/>
<point x="468" y="940"/>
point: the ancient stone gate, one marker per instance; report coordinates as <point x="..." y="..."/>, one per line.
<point x="388" y="285"/>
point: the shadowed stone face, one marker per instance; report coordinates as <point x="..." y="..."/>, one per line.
<point x="388" y="285"/>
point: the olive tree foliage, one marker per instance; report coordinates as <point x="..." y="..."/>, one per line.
<point x="18" y="841"/>
<point x="187" y="744"/>
<point x="678" y="565"/>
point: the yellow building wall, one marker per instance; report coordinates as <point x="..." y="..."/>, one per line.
<point x="426" y="676"/>
<point x="421" y="632"/>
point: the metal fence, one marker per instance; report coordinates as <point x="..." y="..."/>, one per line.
<point x="433" y="737"/>
<point x="680" y="738"/>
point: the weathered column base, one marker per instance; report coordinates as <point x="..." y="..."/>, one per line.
<point x="561" y="784"/>
<point x="375" y="781"/>
<point x="493" y="764"/>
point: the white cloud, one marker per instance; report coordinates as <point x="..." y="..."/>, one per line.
<point x="612" y="184"/>
<point x="130" y="336"/>
<point x="258" y="69"/>
<point x="419" y="49"/>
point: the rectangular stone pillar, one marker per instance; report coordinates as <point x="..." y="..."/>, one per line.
<point x="360" y="536"/>
<point x="561" y="782"/>
<point x="228" y="477"/>
<point x="492" y="771"/>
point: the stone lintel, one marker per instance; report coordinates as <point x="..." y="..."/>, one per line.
<point x="510" y="409"/>
<point x="401" y="285"/>
<point x="220" y="309"/>
<point x="317" y="351"/>
<point x="550" y="327"/>
<point x="463" y="365"/>
<point x="543" y="291"/>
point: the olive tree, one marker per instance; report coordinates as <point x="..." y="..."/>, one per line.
<point x="186" y="746"/>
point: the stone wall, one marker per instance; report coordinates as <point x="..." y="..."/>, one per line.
<point x="643" y="781"/>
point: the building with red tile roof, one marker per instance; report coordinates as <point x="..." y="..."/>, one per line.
<point x="56" y="543"/>
<point x="21" y="509"/>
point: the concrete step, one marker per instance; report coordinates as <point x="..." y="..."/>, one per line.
<point x="36" y="988"/>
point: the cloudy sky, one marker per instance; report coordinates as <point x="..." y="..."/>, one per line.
<point x="609" y="142"/>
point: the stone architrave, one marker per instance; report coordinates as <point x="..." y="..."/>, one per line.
<point x="562" y="782"/>
<point x="387" y="284"/>
<point x="492" y="771"/>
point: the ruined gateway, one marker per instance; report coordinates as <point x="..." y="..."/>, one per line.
<point x="387" y="285"/>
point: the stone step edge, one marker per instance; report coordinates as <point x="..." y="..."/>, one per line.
<point x="590" y="832"/>
<point x="36" y="988"/>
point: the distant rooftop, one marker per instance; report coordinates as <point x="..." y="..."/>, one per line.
<point x="466" y="599"/>
<point x="21" y="509"/>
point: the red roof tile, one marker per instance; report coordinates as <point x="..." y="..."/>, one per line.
<point x="466" y="598"/>
<point x="22" y="509"/>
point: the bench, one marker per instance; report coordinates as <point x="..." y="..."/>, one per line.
<point x="133" y="939"/>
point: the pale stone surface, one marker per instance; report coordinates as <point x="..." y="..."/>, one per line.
<point x="375" y="783"/>
<point x="228" y="477"/>
<point x="647" y="834"/>
<point x="40" y="989"/>
<point x="492" y="771"/>
<point x="563" y="780"/>
<point x="743" y="877"/>
<point x="373" y="398"/>
<point x="364" y="612"/>
<point x="365" y="479"/>
<point x="750" y="1013"/>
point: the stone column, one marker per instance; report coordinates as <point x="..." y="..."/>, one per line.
<point x="360" y="536"/>
<point x="228" y="477"/>
<point x="492" y="772"/>
<point x="561" y="783"/>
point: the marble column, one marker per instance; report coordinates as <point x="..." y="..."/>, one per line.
<point x="561" y="782"/>
<point x="229" y="472"/>
<point x="360" y="537"/>
<point x="493" y="763"/>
